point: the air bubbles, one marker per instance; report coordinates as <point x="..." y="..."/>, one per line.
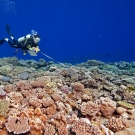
<point x="7" y="6"/>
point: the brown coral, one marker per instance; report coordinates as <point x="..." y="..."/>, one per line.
<point x="120" y="110"/>
<point x="64" y="72"/>
<point x="89" y="108"/>
<point x="9" y="88"/>
<point x="17" y="125"/>
<point x="51" y="109"/>
<point x="2" y="121"/>
<point x="61" y="128"/>
<point x="107" y="106"/>
<point x="47" y="101"/>
<point x="56" y="97"/>
<point x="117" y="124"/>
<point x="39" y="83"/>
<point x="78" y="86"/>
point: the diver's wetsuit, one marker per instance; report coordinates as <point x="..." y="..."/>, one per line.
<point x="24" y="45"/>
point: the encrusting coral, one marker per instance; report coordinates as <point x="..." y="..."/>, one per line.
<point x="130" y="88"/>
<point x="125" y="104"/>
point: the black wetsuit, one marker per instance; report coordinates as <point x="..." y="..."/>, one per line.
<point x="24" y="45"/>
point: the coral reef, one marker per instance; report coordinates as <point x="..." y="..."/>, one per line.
<point x="49" y="129"/>
<point x="117" y="124"/>
<point x="17" y="125"/>
<point x="125" y="104"/>
<point x="89" y="108"/>
<point x="4" y="107"/>
<point x="84" y="128"/>
<point x="44" y="98"/>
<point x="107" y="106"/>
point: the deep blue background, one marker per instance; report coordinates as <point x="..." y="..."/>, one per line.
<point x="73" y="30"/>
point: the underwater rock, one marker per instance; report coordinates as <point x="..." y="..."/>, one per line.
<point x="95" y="63"/>
<point x="123" y="65"/>
<point x="5" y="79"/>
<point x="9" y="60"/>
<point x="23" y="76"/>
<point x="41" y="63"/>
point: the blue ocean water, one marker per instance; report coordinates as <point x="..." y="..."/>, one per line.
<point x="72" y="30"/>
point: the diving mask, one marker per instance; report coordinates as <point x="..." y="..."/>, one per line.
<point x="33" y="33"/>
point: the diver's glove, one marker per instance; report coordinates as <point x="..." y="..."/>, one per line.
<point x="36" y="49"/>
<point x="8" y="30"/>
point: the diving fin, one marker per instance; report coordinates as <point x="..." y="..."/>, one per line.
<point x="2" y="41"/>
<point x="8" y="30"/>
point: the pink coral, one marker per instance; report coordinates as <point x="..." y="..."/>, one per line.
<point x="51" y="109"/>
<point x="47" y="101"/>
<point x="21" y="84"/>
<point x="49" y="129"/>
<point x="17" y="125"/>
<point x="35" y="102"/>
<point x="128" y="131"/>
<point x="15" y="97"/>
<point x="65" y="89"/>
<point x="89" y="108"/>
<point x="117" y="124"/>
<point x="9" y="88"/>
<point x="3" y="93"/>
<point x="107" y="106"/>
<point x="83" y="128"/>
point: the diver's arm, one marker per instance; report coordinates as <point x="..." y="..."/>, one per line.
<point x="24" y="38"/>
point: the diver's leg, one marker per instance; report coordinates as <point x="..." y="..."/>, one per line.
<point x="13" y="39"/>
<point x="12" y="44"/>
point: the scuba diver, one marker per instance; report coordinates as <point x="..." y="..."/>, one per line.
<point x="26" y="43"/>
